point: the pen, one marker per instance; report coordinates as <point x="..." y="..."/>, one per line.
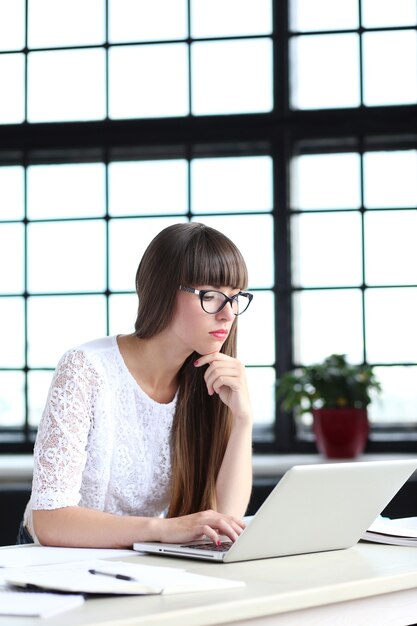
<point x="118" y="576"/>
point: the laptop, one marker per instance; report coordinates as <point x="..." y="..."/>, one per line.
<point x="313" y="508"/>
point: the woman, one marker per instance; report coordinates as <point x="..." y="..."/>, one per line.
<point x="148" y="436"/>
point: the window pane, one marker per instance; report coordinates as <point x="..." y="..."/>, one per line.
<point x="66" y="23"/>
<point x="325" y="72"/>
<point x="231" y="184"/>
<point x="261" y="383"/>
<point x="398" y="400"/>
<point x="11" y="193"/>
<point x="327" y="322"/>
<point x="128" y="240"/>
<point x="12" y="336"/>
<point x="63" y="259"/>
<point x="12" y="80"/>
<point x="148" y="187"/>
<point x="122" y="315"/>
<point x="148" y="81"/>
<point x="309" y="15"/>
<point x="321" y="257"/>
<point x="141" y="20"/>
<point x="326" y="181"/>
<point x="390" y="325"/>
<point x="232" y="77"/>
<point x="246" y="232"/>
<point x="397" y="231"/>
<point x="65" y="191"/>
<point x="12" y="407"/>
<point x="12" y="24"/>
<point x="390" y="179"/>
<point x="38" y="387"/>
<point x="237" y="17"/>
<point x="66" y="85"/>
<point x="256" y="345"/>
<point x="377" y="13"/>
<point x="12" y="256"/>
<point x="57" y="324"/>
<point x="390" y="67"/>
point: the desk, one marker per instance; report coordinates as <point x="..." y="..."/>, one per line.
<point x="366" y="585"/>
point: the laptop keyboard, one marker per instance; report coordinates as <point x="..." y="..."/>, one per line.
<point x="223" y="547"/>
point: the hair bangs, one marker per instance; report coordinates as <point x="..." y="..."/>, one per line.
<point x="214" y="261"/>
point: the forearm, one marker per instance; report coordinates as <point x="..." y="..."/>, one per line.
<point x="234" y="481"/>
<point x="85" y="528"/>
<point x="75" y="526"/>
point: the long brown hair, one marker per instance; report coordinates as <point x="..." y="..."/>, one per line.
<point x="190" y="254"/>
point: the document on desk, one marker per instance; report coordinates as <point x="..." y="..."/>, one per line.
<point x="399" y="532"/>
<point x="32" y="604"/>
<point x="29" y="555"/>
<point x="115" y="577"/>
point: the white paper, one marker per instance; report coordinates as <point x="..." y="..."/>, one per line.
<point x="169" y="579"/>
<point x="75" y="577"/>
<point x="401" y="527"/>
<point x="31" y="604"/>
<point x="400" y="532"/>
<point x="31" y="554"/>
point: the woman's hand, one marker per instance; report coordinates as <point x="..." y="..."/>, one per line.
<point x="226" y="376"/>
<point x="202" y="525"/>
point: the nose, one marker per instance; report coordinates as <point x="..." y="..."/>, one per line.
<point x="226" y="313"/>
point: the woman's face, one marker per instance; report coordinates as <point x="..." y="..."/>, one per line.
<point x="197" y="330"/>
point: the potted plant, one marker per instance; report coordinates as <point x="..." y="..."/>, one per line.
<point x="337" y="394"/>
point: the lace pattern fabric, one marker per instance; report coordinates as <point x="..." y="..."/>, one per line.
<point x="102" y="442"/>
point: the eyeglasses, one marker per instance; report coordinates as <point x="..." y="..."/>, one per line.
<point x="213" y="301"/>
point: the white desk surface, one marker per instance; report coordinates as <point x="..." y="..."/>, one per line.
<point x="364" y="585"/>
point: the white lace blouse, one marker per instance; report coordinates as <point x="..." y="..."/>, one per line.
<point x="102" y="443"/>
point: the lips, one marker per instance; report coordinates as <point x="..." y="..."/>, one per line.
<point x="219" y="334"/>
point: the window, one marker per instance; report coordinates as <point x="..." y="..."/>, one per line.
<point x="287" y="125"/>
<point x="342" y="56"/>
<point x="355" y="267"/>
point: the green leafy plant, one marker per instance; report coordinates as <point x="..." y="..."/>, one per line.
<point x="334" y="383"/>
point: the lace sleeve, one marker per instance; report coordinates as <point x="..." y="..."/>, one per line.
<point x="60" y="449"/>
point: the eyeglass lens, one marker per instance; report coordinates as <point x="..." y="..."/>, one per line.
<point x="213" y="301"/>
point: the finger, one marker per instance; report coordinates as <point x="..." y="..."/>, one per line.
<point x="225" y="382"/>
<point x="230" y="365"/>
<point x="216" y="525"/>
<point x="221" y="369"/>
<point x="238" y="527"/>
<point x="220" y="375"/>
<point x="225" y="528"/>
<point x="230" y="526"/>
<point x="211" y="534"/>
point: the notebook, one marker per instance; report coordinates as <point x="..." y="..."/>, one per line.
<point x="313" y="508"/>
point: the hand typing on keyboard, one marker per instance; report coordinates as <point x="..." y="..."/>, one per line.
<point x="210" y="525"/>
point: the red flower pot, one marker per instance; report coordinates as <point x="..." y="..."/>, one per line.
<point x="341" y="433"/>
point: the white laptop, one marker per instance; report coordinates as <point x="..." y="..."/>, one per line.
<point x="313" y="508"/>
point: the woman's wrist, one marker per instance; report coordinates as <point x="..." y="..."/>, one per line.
<point x="242" y="420"/>
<point x="150" y="528"/>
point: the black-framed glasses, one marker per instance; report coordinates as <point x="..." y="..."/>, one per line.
<point x="213" y="301"/>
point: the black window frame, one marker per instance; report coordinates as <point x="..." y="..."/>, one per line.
<point x="282" y="133"/>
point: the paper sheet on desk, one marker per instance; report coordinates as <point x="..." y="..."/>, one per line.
<point x="29" y="555"/>
<point x="31" y="604"/>
<point x="75" y="577"/>
<point x="400" y="532"/>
